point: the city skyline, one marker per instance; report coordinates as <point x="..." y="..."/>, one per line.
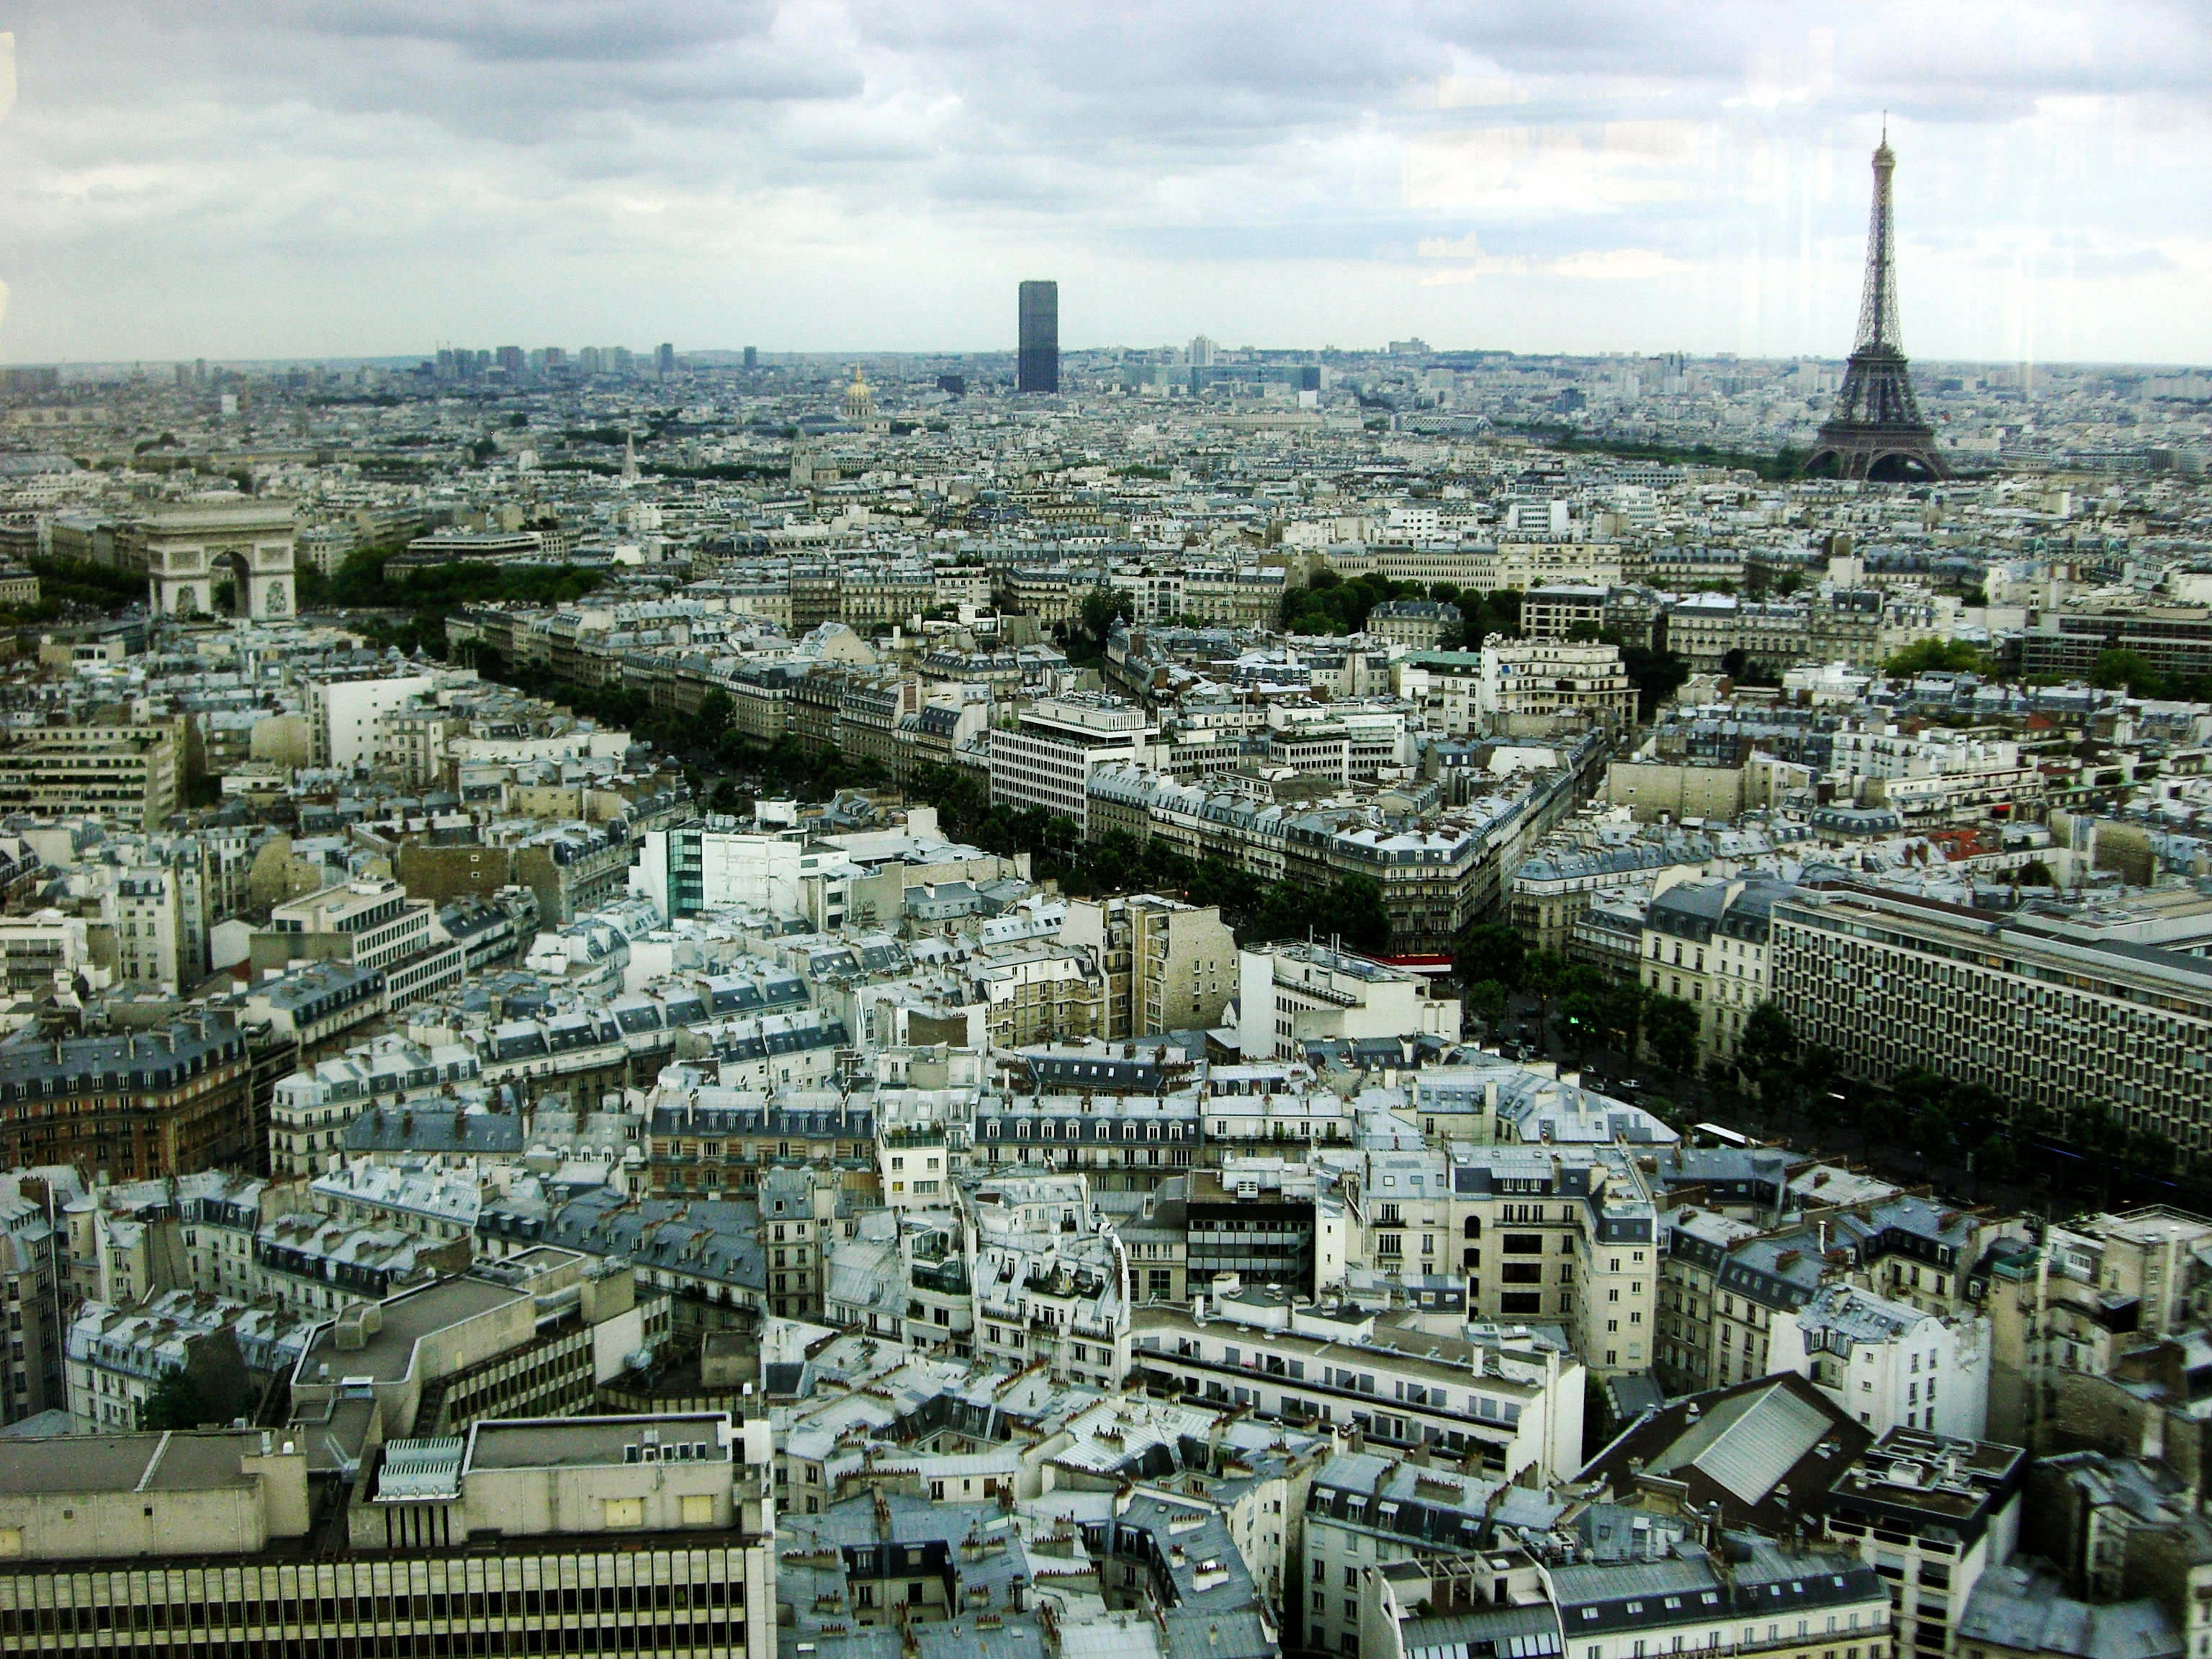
<point x="245" y="185"/>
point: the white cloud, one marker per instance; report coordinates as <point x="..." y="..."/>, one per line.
<point x="1612" y="264"/>
<point x="279" y="177"/>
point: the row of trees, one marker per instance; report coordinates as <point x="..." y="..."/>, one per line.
<point x="1496" y="965"/>
<point x="1964" y="1128"/>
<point x="430" y="595"/>
<point x="2120" y="668"/>
<point x="1328" y="604"/>
<point x="2117" y="669"/>
<point x="623" y="708"/>
<point x="1940" y="1122"/>
<point x="1349" y="908"/>
<point x="1937" y="657"/>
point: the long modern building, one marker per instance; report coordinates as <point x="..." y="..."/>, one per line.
<point x="127" y="775"/>
<point x="596" y="1534"/>
<point x="1046" y="760"/>
<point x="2174" y="639"/>
<point x="2048" y="1010"/>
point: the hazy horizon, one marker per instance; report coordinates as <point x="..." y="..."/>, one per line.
<point x="285" y="181"/>
<point x="402" y="361"/>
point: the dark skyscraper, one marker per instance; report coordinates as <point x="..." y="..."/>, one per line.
<point x="1039" y="370"/>
<point x="753" y="356"/>
<point x="667" y="360"/>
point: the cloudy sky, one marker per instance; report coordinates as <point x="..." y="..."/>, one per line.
<point x="254" y="179"/>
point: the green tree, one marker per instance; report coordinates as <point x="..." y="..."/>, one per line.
<point x="1062" y="837"/>
<point x="2120" y="667"/>
<point x="176" y="1400"/>
<point x="1822" y="1086"/>
<point x="1656" y="675"/>
<point x="1624" y="1015"/>
<point x="1883" y="1121"/>
<point x="1586" y="1007"/>
<point x="1494" y="951"/>
<point x="2034" y="874"/>
<point x="1671" y="1028"/>
<point x="1936" y="657"/>
<point x="1486" y="1000"/>
<point x="1100" y="609"/>
<point x="1356" y="902"/>
<point x="1541" y="978"/>
<point x="716" y="711"/>
<point x="2150" y="1152"/>
<point x="1766" y="1059"/>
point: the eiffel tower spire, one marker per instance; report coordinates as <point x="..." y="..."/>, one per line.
<point x="1878" y="302"/>
<point x="1876" y="431"/>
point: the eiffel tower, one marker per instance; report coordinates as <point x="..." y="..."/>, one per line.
<point x="1876" y="431"/>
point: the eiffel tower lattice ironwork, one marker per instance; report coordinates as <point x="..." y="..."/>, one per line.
<point x="1876" y="431"/>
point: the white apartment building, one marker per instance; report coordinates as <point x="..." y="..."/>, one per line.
<point x="430" y="1202"/>
<point x="1558" y="1233"/>
<point x="1051" y="1280"/>
<point x="118" y="1356"/>
<point x="1938" y="777"/>
<point x="1759" y="1599"/>
<point x="383" y="925"/>
<point x="1931" y="1514"/>
<point x="1550" y="613"/>
<point x="1364" y="1510"/>
<point x="1246" y="596"/>
<point x="131" y="1240"/>
<point x="1515" y="1404"/>
<point x="34" y="1289"/>
<point x="1445" y="686"/>
<point x="1169" y="966"/>
<point x="661" y="1528"/>
<point x="1338" y="741"/>
<point x="343" y="714"/>
<point x="141" y="904"/>
<point x="1550" y="517"/>
<point x="35" y="948"/>
<point x="913" y="1168"/>
<point x="1534" y="679"/>
<point x="1417" y="521"/>
<point x="1273" y="1104"/>
<point x="1707" y="944"/>
<point x="1889" y="1365"/>
<point x="1516" y="563"/>
<point x="1294" y="993"/>
<point x="1047" y="758"/>
<point x="1154" y="592"/>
